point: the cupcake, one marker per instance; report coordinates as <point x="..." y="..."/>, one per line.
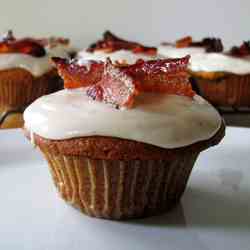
<point x="118" y="50"/>
<point x="220" y="77"/>
<point x="26" y="73"/>
<point x="121" y="140"/>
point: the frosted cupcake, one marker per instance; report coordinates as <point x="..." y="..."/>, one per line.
<point x="220" y="77"/>
<point x="118" y="50"/>
<point x="121" y="141"/>
<point x="26" y="73"/>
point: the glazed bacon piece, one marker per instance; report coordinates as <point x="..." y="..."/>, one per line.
<point x="107" y="82"/>
<point x="164" y="76"/>
<point x="111" y="43"/>
<point x="242" y="50"/>
<point x="25" y="46"/>
<point x="210" y="44"/>
<point x="116" y="87"/>
<point x="119" y="84"/>
<point x="29" y="46"/>
<point x="184" y="42"/>
<point x="76" y="75"/>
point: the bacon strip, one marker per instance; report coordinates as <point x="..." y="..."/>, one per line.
<point x="184" y="42"/>
<point x="241" y="51"/>
<point x="25" y="46"/>
<point x="120" y="84"/>
<point x="115" y="87"/>
<point x="210" y="44"/>
<point x="111" y="43"/>
<point x="76" y="75"/>
<point x="165" y="76"/>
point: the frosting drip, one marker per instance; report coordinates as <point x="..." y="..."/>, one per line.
<point x="167" y="121"/>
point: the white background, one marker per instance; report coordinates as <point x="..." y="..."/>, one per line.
<point x="148" y="21"/>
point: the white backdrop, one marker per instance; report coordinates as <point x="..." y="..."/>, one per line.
<point x="148" y="21"/>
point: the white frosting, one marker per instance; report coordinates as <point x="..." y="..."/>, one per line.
<point x="37" y="66"/>
<point x="208" y="62"/>
<point x="167" y="121"/>
<point x="119" y="55"/>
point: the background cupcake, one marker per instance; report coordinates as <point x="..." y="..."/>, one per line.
<point x="118" y="50"/>
<point x="26" y="73"/>
<point x="122" y="144"/>
<point x="220" y="77"/>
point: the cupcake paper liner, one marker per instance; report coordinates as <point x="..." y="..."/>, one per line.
<point x="229" y="91"/>
<point x="19" y="91"/>
<point x="18" y="88"/>
<point x="114" y="189"/>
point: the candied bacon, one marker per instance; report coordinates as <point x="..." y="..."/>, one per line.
<point x="210" y="44"/>
<point x="115" y="87"/>
<point x="29" y="46"/>
<point x="76" y="75"/>
<point x="165" y="75"/>
<point x="184" y="42"/>
<point x="119" y="84"/>
<point x="111" y="43"/>
<point x="242" y="50"/>
<point x="24" y="46"/>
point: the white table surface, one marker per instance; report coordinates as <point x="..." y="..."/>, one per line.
<point x="214" y="212"/>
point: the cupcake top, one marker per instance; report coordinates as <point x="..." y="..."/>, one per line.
<point x="118" y="50"/>
<point x="206" y="55"/>
<point x="150" y="102"/>
<point x="31" y="54"/>
<point x="120" y="56"/>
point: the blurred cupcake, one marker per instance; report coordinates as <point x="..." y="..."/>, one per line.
<point x="121" y="141"/>
<point x="118" y="50"/>
<point x="220" y="77"/>
<point x="26" y="73"/>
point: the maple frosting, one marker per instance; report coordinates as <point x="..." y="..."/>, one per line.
<point x="119" y="55"/>
<point x="209" y="62"/>
<point x="37" y="66"/>
<point x="167" y="121"/>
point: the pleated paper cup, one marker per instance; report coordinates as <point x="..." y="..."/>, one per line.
<point x="119" y="189"/>
<point x="18" y="88"/>
<point x="229" y="91"/>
